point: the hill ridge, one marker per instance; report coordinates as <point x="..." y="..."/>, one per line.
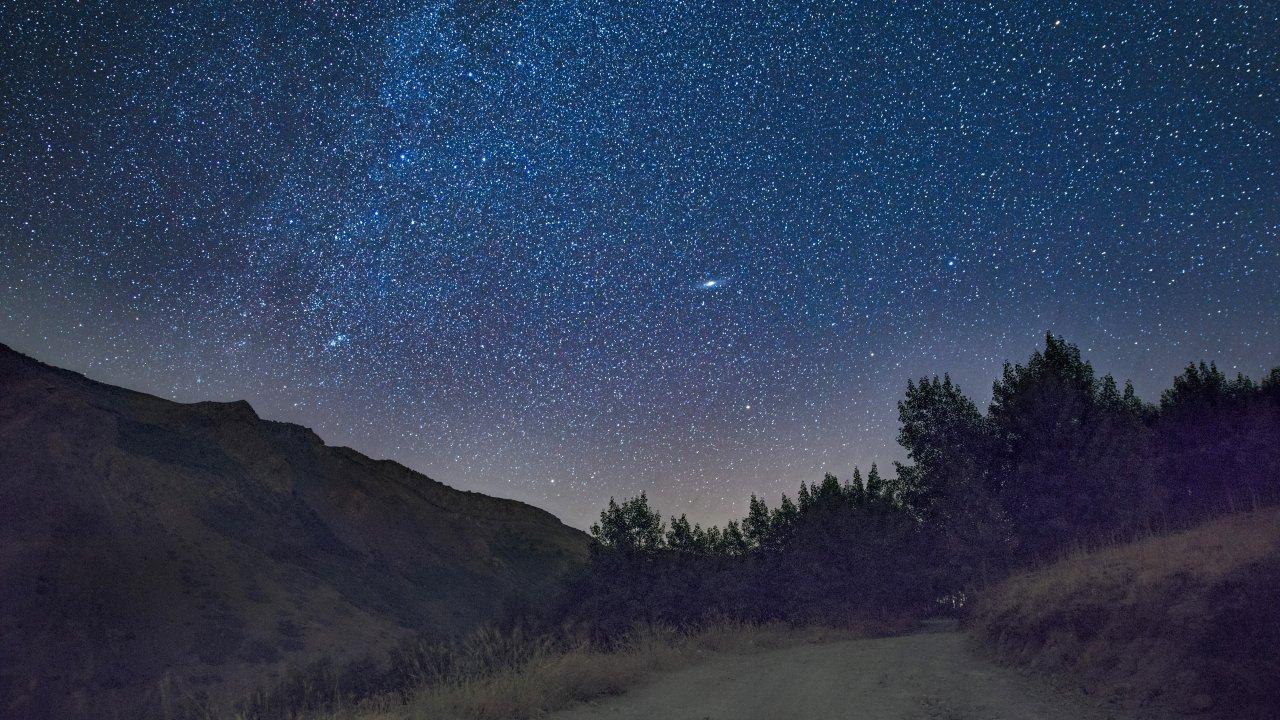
<point x="203" y="542"/>
<point x="243" y="408"/>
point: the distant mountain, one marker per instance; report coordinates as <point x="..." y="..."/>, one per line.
<point x="151" y="547"/>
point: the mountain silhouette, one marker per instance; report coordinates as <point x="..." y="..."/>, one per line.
<point x="152" y="549"/>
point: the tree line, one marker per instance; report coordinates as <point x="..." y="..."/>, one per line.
<point x="1060" y="458"/>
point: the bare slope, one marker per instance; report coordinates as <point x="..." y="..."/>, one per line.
<point x="1189" y="622"/>
<point x="149" y="545"/>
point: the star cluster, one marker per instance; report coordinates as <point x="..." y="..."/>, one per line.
<point x="560" y="250"/>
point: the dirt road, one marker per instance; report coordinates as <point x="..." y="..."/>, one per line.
<point x="929" y="675"/>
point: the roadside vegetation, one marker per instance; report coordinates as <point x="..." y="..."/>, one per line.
<point x="1189" y="622"/>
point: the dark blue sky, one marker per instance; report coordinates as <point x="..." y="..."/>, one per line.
<point x="565" y="250"/>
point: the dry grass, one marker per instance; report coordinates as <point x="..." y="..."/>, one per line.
<point x="551" y="678"/>
<point x="1206" y="553"/>
<point x="1188" y="622"/>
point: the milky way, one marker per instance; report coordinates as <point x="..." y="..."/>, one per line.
<point x="560" y="251"/>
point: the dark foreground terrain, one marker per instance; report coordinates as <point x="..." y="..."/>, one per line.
<point x="1187" y="623"/>
<point x="153" y="551"/>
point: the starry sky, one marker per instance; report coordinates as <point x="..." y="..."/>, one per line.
<point x="559" y="250"/>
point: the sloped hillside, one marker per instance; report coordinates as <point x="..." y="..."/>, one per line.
<point x="151" y="549"/>
<point x="1187" y="624"/>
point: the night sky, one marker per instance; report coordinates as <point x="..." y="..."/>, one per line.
<point x="559" y="251"/>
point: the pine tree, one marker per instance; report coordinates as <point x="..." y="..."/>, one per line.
<point x="855" y="491"/>
<point x="875" y="485"/>
<point x="733" y="541"/>
<point x="1109" y="394"/>
<point x="757" y="525"/>
<point x="783" y="520"/>
<point x="803" y="499"/>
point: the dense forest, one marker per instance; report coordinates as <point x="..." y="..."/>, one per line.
<point x="1062" y="458"/>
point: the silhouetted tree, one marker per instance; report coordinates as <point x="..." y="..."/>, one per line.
<point x="947" y="442"/>
<point x="758" y="524"/>
<point x="803" y="499"/>
<point x="1055" y="466"/>
<point x="783" y="520"/>
<point x="855" y="491"/>
<point x="733" y="542"/>
<point x="876" y="490"/>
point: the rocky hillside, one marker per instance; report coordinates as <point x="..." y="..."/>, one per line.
<point x="1186" y="625"/>
<point x="152" y="550"/>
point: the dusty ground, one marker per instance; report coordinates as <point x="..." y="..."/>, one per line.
<point x="930" y="675"/>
